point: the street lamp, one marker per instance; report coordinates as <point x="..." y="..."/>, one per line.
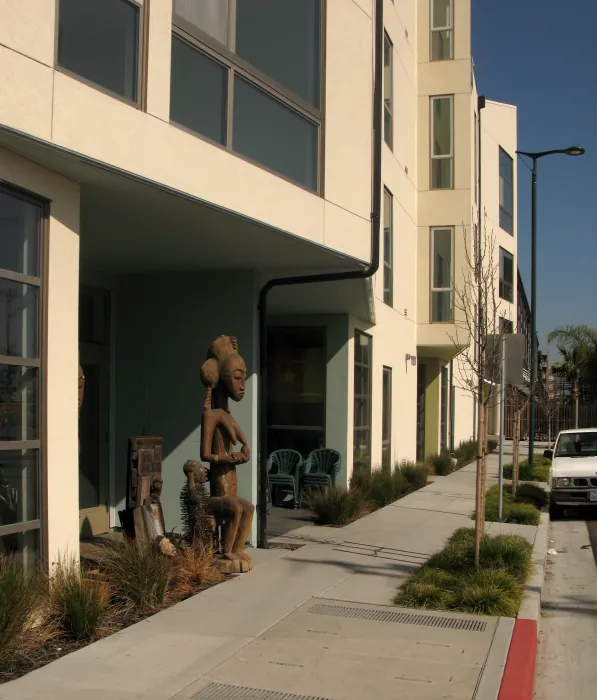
<point x="570" y="151"/>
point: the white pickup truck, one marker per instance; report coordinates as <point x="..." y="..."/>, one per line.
<point x="573" y="469"/>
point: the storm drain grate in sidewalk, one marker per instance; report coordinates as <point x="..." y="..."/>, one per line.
<point x="452" y="623"/>
<point x="220" y="691"/>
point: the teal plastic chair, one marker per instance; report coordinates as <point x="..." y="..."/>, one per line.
<point x="284" y="469"/>
<point x="321" y="468"/>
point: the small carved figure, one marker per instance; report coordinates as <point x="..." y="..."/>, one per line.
<point x="155" y="493"/>
<point x="224" y="375"/>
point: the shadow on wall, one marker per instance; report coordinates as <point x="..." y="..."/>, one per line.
<point x="164" y="325"/>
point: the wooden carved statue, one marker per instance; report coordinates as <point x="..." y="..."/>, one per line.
<point x="224" y="374"/>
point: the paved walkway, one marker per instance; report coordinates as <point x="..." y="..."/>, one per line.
<point x="315" y="621"/>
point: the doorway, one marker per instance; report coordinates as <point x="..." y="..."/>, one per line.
<point x="94" y="356"/>
<point x="421" y="387"/>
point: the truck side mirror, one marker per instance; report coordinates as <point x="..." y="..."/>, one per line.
<point x="548" y="454"/>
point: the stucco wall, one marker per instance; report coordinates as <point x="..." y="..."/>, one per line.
<point x="61" y="509"/>
<point x="164" y="325"/>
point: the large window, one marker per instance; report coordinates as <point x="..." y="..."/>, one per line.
<point x="388" y="248"/>
<point x="386" y="428"/>
<point x="506" y="192"/>
<point x="506" y="275"/>
<point x="246" y="74"/>
<point x="21" y="221"/>
<point x="442" y="243"/>
<point x="388" y="99"/>
<point x="442" y="30"/>
<point x="100" y="41"/>
<point x="362" y="402"/>
<point x="442" y="143"/>
<point x="296" y="389"/>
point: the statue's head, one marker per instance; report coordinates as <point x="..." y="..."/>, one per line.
<point x="224" y="366"/>
<point x="157" y="485"/>
<point x="198" y="472"/>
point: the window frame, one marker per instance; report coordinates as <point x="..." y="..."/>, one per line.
<point x="40" y="363"/>
<point x="450" y="156"/>
<point x="432" y="287"/>
<point x="368" y="397"/>
<point x="234" y="64"/>
<point x="142" y="58"/>
<point x="502" y="282"/>
<point x="388" y="259"/>
<point x="388" y="139"/>
<point x="433" y="29"/>
<point x="511" y="183"/>
<point x="386" y="417"/>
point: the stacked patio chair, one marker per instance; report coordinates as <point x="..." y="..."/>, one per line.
<point x="284" y="468"/>
<point x="321" y="468"/>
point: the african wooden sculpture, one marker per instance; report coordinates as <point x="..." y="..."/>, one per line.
<point x="224" y="375"/>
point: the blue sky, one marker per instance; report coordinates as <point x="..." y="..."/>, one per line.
<point x="542" y="56"/>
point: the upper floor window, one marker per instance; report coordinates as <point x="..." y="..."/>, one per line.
<point x="506" y="275"/>
<point x="506" y="326"/>
<point x="506" y="192"/>
<point x="442" y="253"/>
<point x="100" y="41"/>
<point x="442" y="30"/>
<point x="246" y="74"/>
<point x="442" y="143"/>
<point x="388" y="78"/>
<point x="388" y="247"/>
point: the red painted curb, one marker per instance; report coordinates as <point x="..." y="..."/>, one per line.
<point x="518" y="681"/>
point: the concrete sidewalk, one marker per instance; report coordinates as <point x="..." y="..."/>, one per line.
<point x="316" y="622"/>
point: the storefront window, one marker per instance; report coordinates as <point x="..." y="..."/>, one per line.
<point x="20" y="297"/>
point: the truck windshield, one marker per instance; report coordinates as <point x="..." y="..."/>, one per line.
<point x="577" y="445"/>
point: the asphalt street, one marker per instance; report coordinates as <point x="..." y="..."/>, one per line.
<point x="566" y="665"/>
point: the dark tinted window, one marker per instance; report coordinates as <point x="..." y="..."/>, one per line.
<point x="282" y="39"/>
<point x="100" y="42"/>
<point x="198" y="90"/>
<point x="274" y="135"/>
<point x="19" y="232"/>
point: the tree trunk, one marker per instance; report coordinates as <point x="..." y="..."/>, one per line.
<point x="516" y="452"/>
<point x="575" y="398"/>
<point x="485" y="452"/>
<point x="479" y="500"/>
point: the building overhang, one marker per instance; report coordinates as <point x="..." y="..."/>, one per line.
<point x="443" y="341"/>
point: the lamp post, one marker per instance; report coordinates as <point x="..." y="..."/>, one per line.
<point x="571" y="151"/>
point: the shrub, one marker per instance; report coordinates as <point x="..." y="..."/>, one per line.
<point x="449" y="581"/>
<point x="138" y="575"/>
<point x="442" y="463"/>
<point x="78" y="605"/>
<point x="512" y="512"/>
<point x="540" y="471"/>
<point x="415" y="474"/>
<point x="530" y="493"/>
<point x="22" y="598"/>
<point x="334" y="505"/>
<point x="466" y="451"/>
<point x="194" y="568"/>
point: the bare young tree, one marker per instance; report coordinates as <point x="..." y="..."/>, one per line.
<point x="519" y="402"/>
<point x="479" y="317"/>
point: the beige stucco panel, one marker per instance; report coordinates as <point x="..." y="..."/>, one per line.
<point x="25" y="93"/>
<point x="62" y="350"/>
<point x="347" y="232"/>
<point x="348" y="107"/>
<point x="28" y="27"/>
<point x="398" y="24"/>
<point x="92" y="123"/>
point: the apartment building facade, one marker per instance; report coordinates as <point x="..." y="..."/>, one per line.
<point x="160" y="161"/>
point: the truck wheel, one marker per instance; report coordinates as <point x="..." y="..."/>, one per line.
<point x="555" y="511"/>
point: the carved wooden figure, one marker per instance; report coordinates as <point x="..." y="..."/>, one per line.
<point x="224" y="374"/>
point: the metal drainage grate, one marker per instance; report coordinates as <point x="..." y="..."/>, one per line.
<point x="220" y="691"/>
<point x="452" y="623"/>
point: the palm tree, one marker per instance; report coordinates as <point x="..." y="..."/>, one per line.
<point x="578" y="347"/>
